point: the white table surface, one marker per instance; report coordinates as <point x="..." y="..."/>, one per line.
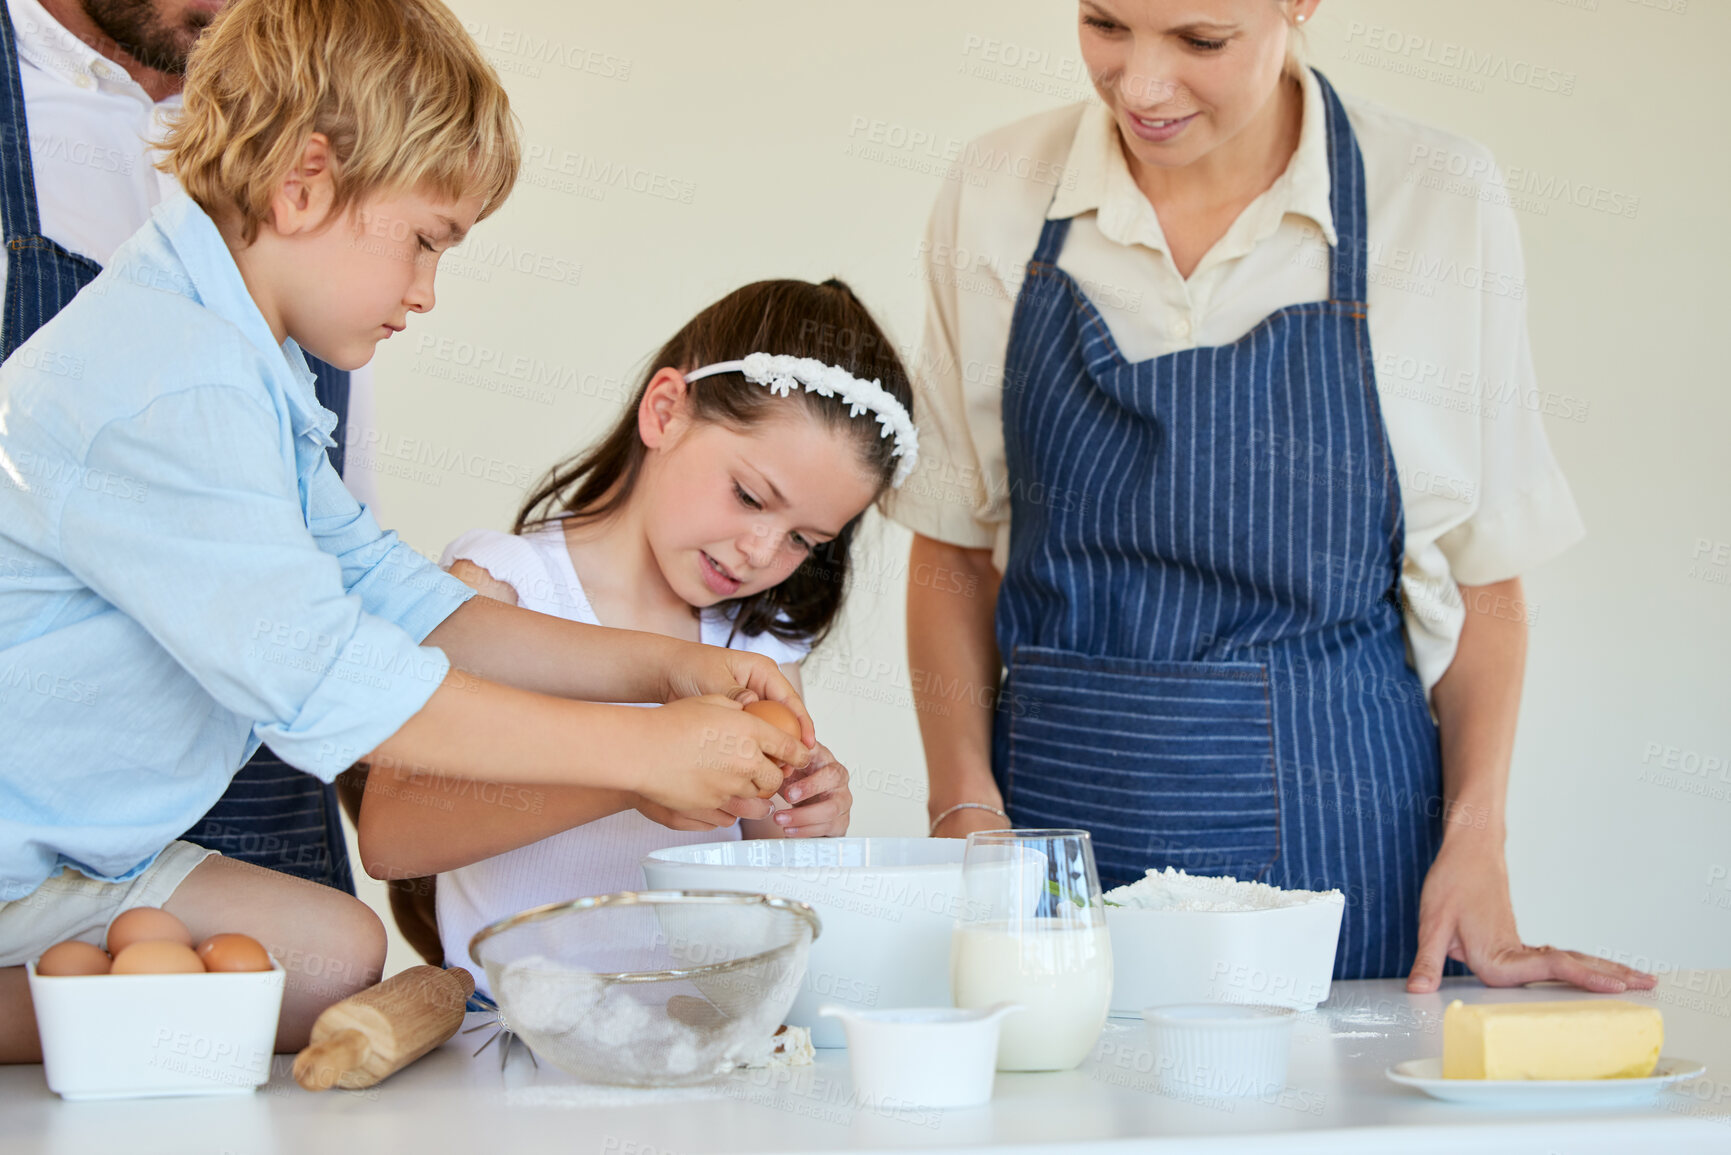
<point x="1337" y="1100"/>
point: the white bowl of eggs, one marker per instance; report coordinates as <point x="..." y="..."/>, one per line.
<point x="160" y="1016"/>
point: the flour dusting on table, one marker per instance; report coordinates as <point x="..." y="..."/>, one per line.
<point x="588" y="1095"/>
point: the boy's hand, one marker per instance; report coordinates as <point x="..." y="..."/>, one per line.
<point x="696" y="821"/>
<point x="736" y="674"/>
<point x="704" y="751"/>
<point x="701" y="820"/>
<point x="819" y="796"/>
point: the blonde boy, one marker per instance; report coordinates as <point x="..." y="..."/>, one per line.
<point x="187" y="577"/>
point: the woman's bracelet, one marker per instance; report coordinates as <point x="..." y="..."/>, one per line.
<point x="965" y="806"/>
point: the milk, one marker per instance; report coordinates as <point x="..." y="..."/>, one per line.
<point x="1060" y="972"/>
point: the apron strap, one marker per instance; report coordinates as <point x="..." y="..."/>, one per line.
<point x="17" y="176"/>
<point x="1348" y="273"/>
<point x="331" y="387"/>
<point x="1052" y="235"/>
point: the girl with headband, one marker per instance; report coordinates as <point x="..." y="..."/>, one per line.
<point x="721" y="508"/>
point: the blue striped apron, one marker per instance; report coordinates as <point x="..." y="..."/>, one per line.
<point x="1200" y="611"/>
<point x="272" y="814"/>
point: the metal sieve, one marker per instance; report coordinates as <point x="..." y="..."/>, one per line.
<point x="648" y="988"/>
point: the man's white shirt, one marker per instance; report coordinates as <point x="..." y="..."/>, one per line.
<point x="93" y="135"/>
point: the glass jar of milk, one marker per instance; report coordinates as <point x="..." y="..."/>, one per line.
<point x="1033" y="932"/>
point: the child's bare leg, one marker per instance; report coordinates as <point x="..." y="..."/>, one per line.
<point x="18" y="1041"/>
<point x="330" y="943"/>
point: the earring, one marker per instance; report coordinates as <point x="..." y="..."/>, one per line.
<point x="1302" y="18"/>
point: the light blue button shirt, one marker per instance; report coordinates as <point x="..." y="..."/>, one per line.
<point x="182" y="573"/>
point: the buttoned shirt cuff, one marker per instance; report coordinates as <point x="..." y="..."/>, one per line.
<point x="379" y="680"/>
<point x="1520" y="534"/>
<point x="435" y="593"/>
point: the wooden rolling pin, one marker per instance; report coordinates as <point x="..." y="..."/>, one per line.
<point x="378" y="1032"/>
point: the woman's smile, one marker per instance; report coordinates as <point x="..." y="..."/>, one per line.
<point x="1158" y="129"/>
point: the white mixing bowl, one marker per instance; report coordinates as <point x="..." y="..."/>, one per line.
<point x="888" y="907"/>
<point x="1281" y="957"/>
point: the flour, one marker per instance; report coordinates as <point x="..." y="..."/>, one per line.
<point x="788" y="1047"/>
<point x="588" y="1096"/>
<point x="1406" y="1019"/>
<point x="1175" y="890"/>
<point x="545" y="997"/>
<point x="637" y="1033"/>
<point x="569" y="1011"/>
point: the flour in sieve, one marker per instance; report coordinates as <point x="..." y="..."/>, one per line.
<point x="546" y="997"/>
<point x="575" y="1009"/>
<point x="1175" y="890"/>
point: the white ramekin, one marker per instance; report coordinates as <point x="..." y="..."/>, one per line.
<point x="922" y="1056"/>
<point x="1221" y="1050"/>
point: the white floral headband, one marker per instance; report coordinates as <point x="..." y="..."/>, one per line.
<point x="782" y="373"/>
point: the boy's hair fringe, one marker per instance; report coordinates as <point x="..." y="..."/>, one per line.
<point x="397" y="86"/>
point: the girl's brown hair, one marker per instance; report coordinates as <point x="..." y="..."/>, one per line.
<point x="795" y="318"/>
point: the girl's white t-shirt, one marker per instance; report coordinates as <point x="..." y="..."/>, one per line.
<point x="597" y="858"/>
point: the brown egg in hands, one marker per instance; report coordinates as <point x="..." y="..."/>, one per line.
<point x="780" y="717"/>
<point x="146" y="924"/>
<point x="776" y="715"/>
<point x="73" y="958"/>
<point x="157" y="957"/>
<point x="233" y="952"/>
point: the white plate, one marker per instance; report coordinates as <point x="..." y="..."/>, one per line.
<point x="1426" y="1075"/>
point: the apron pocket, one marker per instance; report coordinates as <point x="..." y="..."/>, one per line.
<point x="1165" y="763"/>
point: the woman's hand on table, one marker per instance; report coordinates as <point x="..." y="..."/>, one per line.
<point x="1465" y="914"/>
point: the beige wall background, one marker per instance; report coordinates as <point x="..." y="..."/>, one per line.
<point x="678" y="151"/>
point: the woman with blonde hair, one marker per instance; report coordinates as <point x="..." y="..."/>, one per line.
<point x="1216" y="420"/>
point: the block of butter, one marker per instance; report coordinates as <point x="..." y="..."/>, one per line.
<point x="1569" y="1039"/>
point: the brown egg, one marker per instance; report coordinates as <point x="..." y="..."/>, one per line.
<point x="776" y="715"/>
<point x="233" y="952"/>
<point x="73" y="958"/>
<point x="157" y="957"/>
<point x="146" y="924"/>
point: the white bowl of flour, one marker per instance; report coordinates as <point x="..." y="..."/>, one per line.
<point x="1179" y="938"/>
